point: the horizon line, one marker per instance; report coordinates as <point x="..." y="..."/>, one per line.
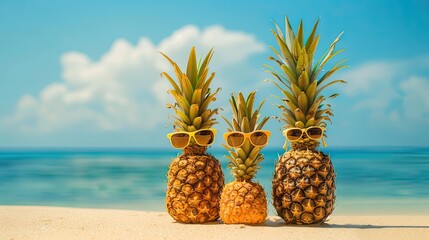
<point x="169" y="149"/>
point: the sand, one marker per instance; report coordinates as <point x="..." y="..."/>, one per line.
<point x="19" y="223"/>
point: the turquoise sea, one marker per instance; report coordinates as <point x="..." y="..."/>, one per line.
<point x="369" y="180"/>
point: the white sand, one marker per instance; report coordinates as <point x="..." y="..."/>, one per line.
<point x="19" y="223"/>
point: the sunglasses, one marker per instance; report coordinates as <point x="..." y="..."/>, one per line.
<point x="258" y="138"/>
<point x="203" y="137"/>
<point x="295" y="134"/>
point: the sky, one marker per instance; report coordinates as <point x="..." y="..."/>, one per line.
<point x="87" y="73"/>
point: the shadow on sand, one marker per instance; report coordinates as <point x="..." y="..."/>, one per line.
<point x="281" y="223"/>
<point x="368" y="226"/>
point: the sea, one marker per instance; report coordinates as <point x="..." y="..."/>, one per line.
<point x="370" y="180"/>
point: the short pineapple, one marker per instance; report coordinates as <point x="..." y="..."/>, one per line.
<point x="304" y="178"/>
<point x="195" y="178"/>
<point x="244" y="201"/>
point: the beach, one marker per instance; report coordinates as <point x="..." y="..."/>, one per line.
<point x="39" y="222"/>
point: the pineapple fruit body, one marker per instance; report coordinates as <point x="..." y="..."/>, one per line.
<point x="194" y="187"/>
<point x="243" y="202"/>
<point x="304" y="178"/>
<point x="195" y="178"/>
<point x="304" y="187"/>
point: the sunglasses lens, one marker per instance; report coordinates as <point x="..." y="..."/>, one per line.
<point x="235" y="139"/>
<point x="180" y="140"/>
<point x="204" y="137"/>
<point x="294" y="134"/>
<point x="259" y="138"/>
<point x="314" y="132"/>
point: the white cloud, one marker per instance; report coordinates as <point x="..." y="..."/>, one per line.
<point x="123" y="89"/>
<point x="416" y="97"/>
<point x="367" y="75"/>
<point x="231" y="47"/>
<point x="390" y="90"/>
<point x="378" y="103"/>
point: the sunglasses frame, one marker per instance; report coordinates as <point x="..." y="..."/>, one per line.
<point x="302" y="133"/>
<point x="247" y="136"/>
<point x="192" y="135"/>
<point x="304" y="130"/>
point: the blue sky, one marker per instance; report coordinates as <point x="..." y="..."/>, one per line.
<point x="75" y="73"/>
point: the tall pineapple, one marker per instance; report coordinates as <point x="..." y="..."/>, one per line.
<point x="244" y="201"/>
<point x="195" y="178"/>
<point x="304" y="178"/>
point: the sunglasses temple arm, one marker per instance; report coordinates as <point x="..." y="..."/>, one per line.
<point x="285" y="145"/>
<point x="324" y="143"/>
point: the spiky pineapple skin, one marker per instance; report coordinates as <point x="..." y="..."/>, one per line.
<point x="194" y="187"/>
<point x="243" y="203"/>
<point x="304" y="187"/>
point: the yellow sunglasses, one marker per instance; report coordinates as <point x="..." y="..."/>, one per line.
<point x="203" y="137"/>
<point x="258" y="138"/>
<point x="313" y="133"/>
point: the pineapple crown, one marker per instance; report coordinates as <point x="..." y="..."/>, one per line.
<point x="192" y="94"/>
<point x="244" y="116"/>
<point x="299" y="80"/>
<point x="244" y="160"/>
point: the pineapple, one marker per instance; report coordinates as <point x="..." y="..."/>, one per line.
<point x="195" y="178"/>
<point x="304" y="178"/>
<point x="244" y="201"/>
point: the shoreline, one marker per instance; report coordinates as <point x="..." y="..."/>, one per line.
<point x="40" y="222"/>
